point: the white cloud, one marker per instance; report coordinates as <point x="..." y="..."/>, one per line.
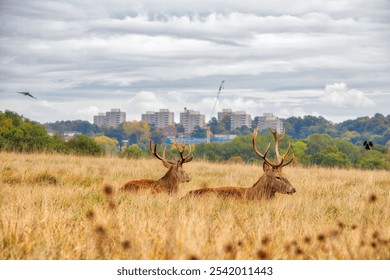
<point x="295" y="112"/>
<point x="339" y="95"/>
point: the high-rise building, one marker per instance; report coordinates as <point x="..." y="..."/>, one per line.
<point x="110" y="119"/>
<point x="268" y="120"/>
<point x="239" y="119"/>
<point x="149" y="117"/>
<point x="100" y="119"/>
<point x="224" y="113"/>
<point x="161" y="119"/>
<point x="190" y="118"/>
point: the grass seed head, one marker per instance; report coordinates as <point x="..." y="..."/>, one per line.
<point x="126" y="245"/>
<point x="372" y="198"/>
<point x="265" y="240"/>
<point x="108" y="189"/>
<point x="228" y="248"/>
<point x="307" y="239"/>
<point x="100" y="230"/>
<point x="321" y="237"/>
<point x="261" y="254"/>
<point x="341" y="225"/>
<point x="90" y="215"/>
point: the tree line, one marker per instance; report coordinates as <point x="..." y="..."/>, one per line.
<point x="19" y="134"/>
<point x="375" y="129"/>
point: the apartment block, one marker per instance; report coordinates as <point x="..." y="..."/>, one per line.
<point x="239" y="119"/>
<point x="224" y="113"/>
<point x="161" y="119"/>
<point x="190" y="118"/>
<point x="100" y="119"/>
<point x="268" y="120"/>
<point x="112" y="118"/>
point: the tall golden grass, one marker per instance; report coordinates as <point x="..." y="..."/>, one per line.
<point x="68" y="207"/>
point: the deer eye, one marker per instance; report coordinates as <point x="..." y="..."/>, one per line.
<point x="278" y="178"/>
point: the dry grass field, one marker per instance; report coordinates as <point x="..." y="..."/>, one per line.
<point x="68" y="207"/>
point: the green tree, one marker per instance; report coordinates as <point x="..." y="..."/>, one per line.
<point x="58" y="144"/>
<point x="373" y="160"/>
<point x="198" y="132"/>
<point x="108" y="145"/>
<point x="133" y="151"/>
<point x="213" y="125"/>
<point x="19" y="134"/>
<point x="331" y="157"/>
<point x="137" y="131"/>
<point x="298" y="148"/>
<point x="83" y="145"/>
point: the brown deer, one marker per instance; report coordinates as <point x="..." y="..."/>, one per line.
<point x="170" y="182"/>
<point x="271" y="182"/>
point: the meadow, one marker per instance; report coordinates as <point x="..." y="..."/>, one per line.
<point x="70" y="207"/>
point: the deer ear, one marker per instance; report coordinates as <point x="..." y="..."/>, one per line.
<point x="266" y="167"/>
<point x="166" y="164"/>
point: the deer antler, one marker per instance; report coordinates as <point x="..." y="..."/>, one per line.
<point x="181" y="148"/>
<point x="264" y="156"/>
<point x="277" y="139"/>
<point x="167" y="163"/>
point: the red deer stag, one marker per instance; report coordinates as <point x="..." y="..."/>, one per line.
<point x="169" y="183"/>
<point x="271" y="182"/>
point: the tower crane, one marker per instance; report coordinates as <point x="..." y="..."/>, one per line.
<point x="215" y="105"/>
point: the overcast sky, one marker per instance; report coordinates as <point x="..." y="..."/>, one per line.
<point x="291" y="58"/>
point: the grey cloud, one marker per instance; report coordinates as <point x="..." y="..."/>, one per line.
<point x="72" y="51"/>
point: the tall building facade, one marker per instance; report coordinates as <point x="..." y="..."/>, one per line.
<point x="224" y="113"/>
<point x="100" y="119"/>
<point x="149" y="117"/>
<point x="268" y="120"/>
<point x="239" y="119"/>
<point x="110" y="119"/>
<point x="190" y="118"/>
<point x="161" y="119"/>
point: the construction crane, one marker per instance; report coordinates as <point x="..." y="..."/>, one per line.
<point x="212" y="112"/>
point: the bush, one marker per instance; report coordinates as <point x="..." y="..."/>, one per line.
<point x="132" y="152"/>
<point x="83" y="145"/>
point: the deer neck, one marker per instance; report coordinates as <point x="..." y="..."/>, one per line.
<point x="169" y="181"/>
<point x="261" y="189"/>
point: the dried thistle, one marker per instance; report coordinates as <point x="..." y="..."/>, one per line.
<point x="228" y="248"/>
<point x="262" y="255"/>
<point x="372" y="198"/>
<point x="108" y="190"/>
<point x="375" y="235"/>
<point x="307" y="239"/>
<point x="111" y="205"/>
<point x="90" y="214"/>
<point x="298" y="251"/>
<point x="126" y="245"/>
<point x="100" y="230"/>
<point x="265" y="240"/>
<point x="321" y="237"/>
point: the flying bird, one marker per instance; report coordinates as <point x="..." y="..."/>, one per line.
<point x="368" y="145"/>
<point x="26" y="93"/>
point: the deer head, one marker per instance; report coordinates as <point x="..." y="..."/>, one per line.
<point x="273" y="179"/>
<point x="175" y="167"/>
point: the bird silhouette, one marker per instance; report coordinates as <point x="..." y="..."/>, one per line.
<point x="26" y="93"/>
<point x="368" y="145"/>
